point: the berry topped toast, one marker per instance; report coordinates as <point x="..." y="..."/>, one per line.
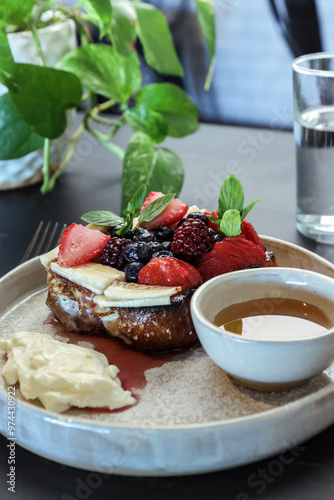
<point x="134" y="276"/>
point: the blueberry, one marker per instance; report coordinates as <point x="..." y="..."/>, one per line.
<point x="113" y="232"/>
<point x="198" y="215"/>
<point x="138" y="252"/>
<point x="142" y="234"/>
<point x="163" y="233"/>
<point x="132" y="270"/>
<point x="163" y="254"/>
<point x="166" y="245"/>
<point x="157" y="246"/>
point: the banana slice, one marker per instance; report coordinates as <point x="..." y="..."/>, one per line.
<point x="48" y="257"/>
<point x="121" y="294"/>
<point x="95" y="277"/>
<point x="103" y="302"/>
<point x="96" y="227"/>
<point x="120" y="290"/>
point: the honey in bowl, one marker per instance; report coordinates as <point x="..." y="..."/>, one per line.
<point x="274" y="319"/>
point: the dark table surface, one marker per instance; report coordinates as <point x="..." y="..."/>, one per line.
<point x="264" y="162"/>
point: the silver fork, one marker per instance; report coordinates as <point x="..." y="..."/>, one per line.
<point x="46" y="237"/>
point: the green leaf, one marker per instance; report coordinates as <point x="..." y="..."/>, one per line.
<point x="155" y="208"/>
<point x="100" y="14"/>
<point x="123" y="26"/>
<point x="158" y="168"/>
<point x="15" y="12"/>
<point x="137" y="201"/>
<point x="16" y="137"/>
<point x="148" y="121"/>
<point x="173" y="104"/>
<point x="247" y="209"/>
<point x="102" y="70"/>
<point x="230" y="224"/>
<point x="231" y="196"/>
<point x="42" y="96"/>
<point x="154" y="34"/>
<point x="102" y="218"/>
<point x="206" y="19"/>
<point x="6" y="59"/>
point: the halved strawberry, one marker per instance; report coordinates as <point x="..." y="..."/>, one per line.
<point x="169" y="271"/>
<point x="169" y="216"/>
<point x="231" y="254"/>
<point x="80" y="244"/>
<point x="249" y="232"/>
<point x="151" y="197"/>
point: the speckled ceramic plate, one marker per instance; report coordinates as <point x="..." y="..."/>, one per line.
<point x="191" y="417"/>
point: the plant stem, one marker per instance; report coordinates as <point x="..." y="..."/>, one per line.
<point x="73" y="143"/>
<point x="109" y="145"/>
<point x="40" y="52"/>
<point x="46" y="166"/>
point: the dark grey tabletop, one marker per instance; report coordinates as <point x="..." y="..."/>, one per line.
<point x="264" y="162"/>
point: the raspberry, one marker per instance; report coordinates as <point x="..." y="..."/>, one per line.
<point x="192" y="240"/>
<point x="169" y="271"/>
<point x="113" y="252"/>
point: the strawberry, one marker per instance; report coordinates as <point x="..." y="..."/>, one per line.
<point x="231" y="254"/>
<point x="250" y="234"/>
<point x="154" y="195"/>
<point x="79" y="245"/>
<point x="169" y="216"/>
<point x="212" y="224"/>
<point x="169" y="271"/>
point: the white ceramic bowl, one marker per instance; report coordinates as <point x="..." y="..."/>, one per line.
<point x="264" y="364"/>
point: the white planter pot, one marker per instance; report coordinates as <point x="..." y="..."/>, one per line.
<point x="56" y="40"/>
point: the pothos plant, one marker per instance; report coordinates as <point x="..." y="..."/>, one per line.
<point x="35" y="108"/>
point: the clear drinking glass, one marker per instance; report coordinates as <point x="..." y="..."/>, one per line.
<point x="313" y="79"/>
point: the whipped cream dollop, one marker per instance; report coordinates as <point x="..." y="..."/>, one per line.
<point x="62" y="375"/>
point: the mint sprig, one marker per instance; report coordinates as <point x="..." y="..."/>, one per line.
<point x="105" y="218"/>
<point x="231" y="211"/>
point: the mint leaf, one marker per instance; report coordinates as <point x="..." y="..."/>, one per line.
<point x="137" y="200"/>
<point x="102" y="218"/>
<point x="231" y="196"/>
<point x="133" y="209"/>
<point x="247" y="209"/>
<point x="155" y="208"/>
<point x="230" y="224"/>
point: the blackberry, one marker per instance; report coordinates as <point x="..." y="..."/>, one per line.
<point x="162" y="254"/>
<point x="142" y="234"/>
<point x="138" y="251"/>
<point x="132" y="270"/>
<point x="192" y="240"/>
<point x="113" y="252"/>
<point x="163" y="233"/>
<point x="199" y="216"/>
